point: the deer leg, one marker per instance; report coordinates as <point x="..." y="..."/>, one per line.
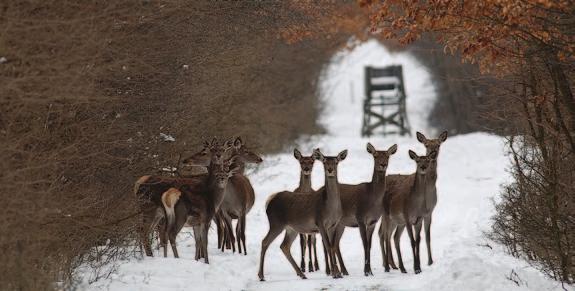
<point x="326" y="257"/>
<point x="310" y="253"/>
<point x="382" y="233"/>
<point x="427" y="225"/>
<point x="338" y="234"/>
<point x="230" y="232"/>
<point x="417" y="229"/>
<point x="147" y="229"/>
<point x="396" y="240"/>
<point x="388" y="251"/>
<point x="205" y="229"/>
<point x="290" y="236"/>
<point x="411" y="234"/>
<point x="172" y="237"/>
<point x="239" y="235"/>
<point x="370" y="229"/>
<point x="302" y="244"/>
<point x="336" y="274"/>
<point x="243" y="234"/>
<point x="162" y="235"/>
<point x="217" y="220"/>
<point x="198" y="240"/>
<point x="275" y="230"/>
<point x="314" y="241"/>
<point x="362" y="232"/>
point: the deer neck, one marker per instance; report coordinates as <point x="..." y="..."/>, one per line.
<point x="217" y="193"/>
<point x="241" y="166"/>
<point x="332" y="197"/>
<point x="378" y="183"/>
<point x="304" y="182"/>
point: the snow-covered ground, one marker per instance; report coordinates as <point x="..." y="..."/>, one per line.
<point x="471" y="169"/>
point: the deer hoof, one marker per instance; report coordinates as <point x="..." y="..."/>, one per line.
<point x="345" y="273"/>
<point x="430" y="262"/>
<point x="403" y="270"/>
<point x="417" y="271"/>
<point x="387" y="270"/>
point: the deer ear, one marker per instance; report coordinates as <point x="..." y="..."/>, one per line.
<point x="392" y="149"/>
<point x="413" y="155"/>
<point x="318" y="155"/>
<point x="238" y="142"/>
<point x="341" y="156"/>
<point x="443" y="136"/>
<point x="420" y="137"/>
<point x="433" y="155"/>
<point x="296" y="154"/>
<point x="370" y="148"/>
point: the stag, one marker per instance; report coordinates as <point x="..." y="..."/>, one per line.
<point x="306" y="213"/>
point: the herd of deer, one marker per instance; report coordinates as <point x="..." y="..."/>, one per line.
<point x="224" y="193"/>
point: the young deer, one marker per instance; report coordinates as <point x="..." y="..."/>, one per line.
<point x="430" y="146"/>
<point x="362" y="205"/>
<point x="406" y="206"/>
<point x="306" y="165"/>
<point x="183" y="201"/>
<point x="238" y="200"/>
<point x="295" y="213"/>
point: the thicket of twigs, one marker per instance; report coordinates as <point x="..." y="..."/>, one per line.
<point x="88" y="88"/>
<point x="529" y="47"/>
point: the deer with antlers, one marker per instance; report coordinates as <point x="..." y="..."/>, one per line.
<point x="238" y="200"/>
<point x="306" y="167"/>
<point x="362" y="205"/>
<point x="306" y="213"/>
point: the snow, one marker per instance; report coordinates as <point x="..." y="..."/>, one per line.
<point x="471" y="169"/>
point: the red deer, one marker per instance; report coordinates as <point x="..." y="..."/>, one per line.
<point x="306" y="166"/>
<point x="430" y="146"/>
<point x="182" y="201"/>
<point x="149" y="197"/>
<point x="406" y="207"/>
<point x="306" y="213"/>
<point x="362" y="205"/>
<point x="239" y="198"/>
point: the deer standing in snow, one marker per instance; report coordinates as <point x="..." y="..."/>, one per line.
<point x="410" y="201"/>
<point x="238" y="200"/>
<point x="306" y="213"/>
<point x="306" y="167"/>
<point x="362" y="205"/>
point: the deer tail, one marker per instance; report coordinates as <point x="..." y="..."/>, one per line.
<point x="169" y="200"/>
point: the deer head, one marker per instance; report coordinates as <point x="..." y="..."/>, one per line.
<point x="226" y="170"/>
<point x="431" y="144"/>
<point x="242" y="152"/>
<point x="381" y="158"/>
<point x="212" y="152"/>
<point x="306" y="163"/>
<point x="423" y="162"/>
<point x="330" y="162"/>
